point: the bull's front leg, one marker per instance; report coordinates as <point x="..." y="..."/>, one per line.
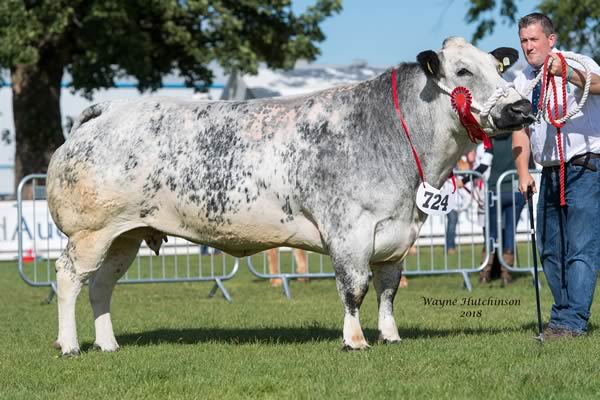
<point x="352" y="281"/>
<point x="386" y="278"/>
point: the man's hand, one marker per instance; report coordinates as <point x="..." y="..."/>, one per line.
<point x="556" y="67"/>
<point x="520" y="149"/>
<point x="577" y="77"/>
<point x="525" y="181"/>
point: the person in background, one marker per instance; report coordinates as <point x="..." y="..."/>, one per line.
<point x="301" y="266"/>
<point x="451" y="222"/>
<point x="452" y="217"/>
<point x="494" y="162"/>
<point x="568" y="234"/>
<point x="511" y="205"/>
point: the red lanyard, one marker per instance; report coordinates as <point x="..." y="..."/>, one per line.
<point x="395" y="94"/>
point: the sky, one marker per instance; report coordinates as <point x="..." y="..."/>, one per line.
<point x="387" y="32"/>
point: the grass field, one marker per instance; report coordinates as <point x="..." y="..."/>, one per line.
<point x="177" y="343"/>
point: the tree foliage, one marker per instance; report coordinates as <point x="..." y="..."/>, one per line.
<point x="100" y="41"/>
<point x="577" y="22"/>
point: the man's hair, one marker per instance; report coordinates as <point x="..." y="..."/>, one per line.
<point x="534" y="18"/>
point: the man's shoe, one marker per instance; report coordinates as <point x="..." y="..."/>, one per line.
<point x="485" y="275"/>
<point x="505" y="275"/>
<point x="552" y="333"/>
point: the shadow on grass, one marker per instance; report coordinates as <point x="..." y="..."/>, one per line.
<point x="528" y="328"/>
<point x="275" y="335"/>
<point x="420" y="333"/>
<point x="286" y="335"/>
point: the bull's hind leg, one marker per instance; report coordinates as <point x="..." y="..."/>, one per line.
<point x="83" y="255"/>
<point x="120" y="255"/>
<point x="69" y="285"/>
<point x="352" y="281"/>
<point x="386" y="278"/>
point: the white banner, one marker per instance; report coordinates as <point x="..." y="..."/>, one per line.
<point x="40" y="234"/>
<point x="43" y="240"/>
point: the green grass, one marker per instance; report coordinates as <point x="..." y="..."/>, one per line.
<point x="177" y="343"/>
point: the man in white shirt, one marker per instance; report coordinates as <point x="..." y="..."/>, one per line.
<point x="568" y="235"/>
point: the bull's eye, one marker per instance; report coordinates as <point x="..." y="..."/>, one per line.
<point x="464" y="72"/>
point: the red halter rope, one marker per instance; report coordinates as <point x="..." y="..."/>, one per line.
<point x="418" y="162"/>
<point x="553" y="120"/>
<point x="395" y="95"/>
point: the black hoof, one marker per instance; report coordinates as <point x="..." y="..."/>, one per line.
<point x="347" y="348"/>
<point x="71" y="354"/>
<point x="97" y="347"/>
<point x="388" y="341"/>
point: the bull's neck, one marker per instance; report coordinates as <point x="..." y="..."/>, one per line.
<point x="445" y="148"/>
<point x="433" y="127"/>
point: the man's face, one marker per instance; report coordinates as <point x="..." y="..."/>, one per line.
<point x="535" y="44"/>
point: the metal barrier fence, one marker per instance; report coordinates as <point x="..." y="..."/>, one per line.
<point x="317" y="266"/>
<point x="430" y="255"/>
<point x="45" y="242"/>
<point x="523" y="257"/>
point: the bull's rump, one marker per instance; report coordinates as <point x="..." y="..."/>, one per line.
<point x="213" y="173"/>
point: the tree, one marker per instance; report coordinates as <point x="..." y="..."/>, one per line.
<point x="577" y="22"/>
<point x="98" y="41"/>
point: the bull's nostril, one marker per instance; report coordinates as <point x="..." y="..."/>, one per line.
<point x="517" y="114"/>
<point x="521" y="107"/>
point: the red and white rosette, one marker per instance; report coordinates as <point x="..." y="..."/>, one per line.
<point x="461" y="100"/>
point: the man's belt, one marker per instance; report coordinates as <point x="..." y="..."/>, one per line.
<point x="583" y="160"/>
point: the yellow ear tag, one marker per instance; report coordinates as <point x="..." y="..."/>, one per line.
<point x="429" y="68"/>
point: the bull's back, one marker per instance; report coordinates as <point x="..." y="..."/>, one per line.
<point x="204" y="171"/>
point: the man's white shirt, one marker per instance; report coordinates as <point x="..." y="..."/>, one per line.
<point x="581" y="133"/>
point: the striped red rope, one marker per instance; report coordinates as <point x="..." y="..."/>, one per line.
<point x="553" y="120"/>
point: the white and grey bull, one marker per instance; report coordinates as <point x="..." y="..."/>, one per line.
<point x="330" y="172"/>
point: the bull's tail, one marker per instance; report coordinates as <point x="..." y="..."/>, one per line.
<point x="90" y="113"/>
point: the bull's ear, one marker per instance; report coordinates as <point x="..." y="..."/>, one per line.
<point x="430" y="62"/>
<point x="506" y="56"/>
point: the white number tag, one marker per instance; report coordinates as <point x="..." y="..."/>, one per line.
<point x="436" y="202"/>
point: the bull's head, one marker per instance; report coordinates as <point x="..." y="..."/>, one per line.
<point x="461" y="64"/>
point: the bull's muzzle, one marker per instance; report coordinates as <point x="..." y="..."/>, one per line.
<point x="516" y="115"/>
